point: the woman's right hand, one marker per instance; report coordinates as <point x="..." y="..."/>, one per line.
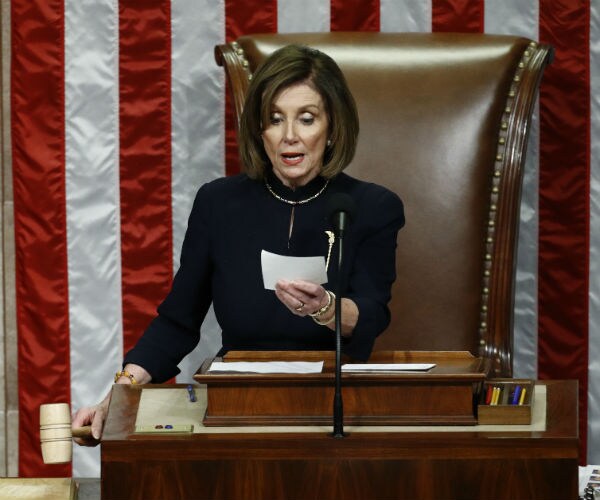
<point x="93" y="416"/>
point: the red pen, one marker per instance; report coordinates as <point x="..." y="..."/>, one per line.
<point x="488" y="395"/>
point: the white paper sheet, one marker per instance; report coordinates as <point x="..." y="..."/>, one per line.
<point x="267" y="366"/>
<point x="387" y="367"/>
<point x="276" y="267"/>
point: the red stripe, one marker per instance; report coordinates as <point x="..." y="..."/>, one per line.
<point x="145" y="160"/>
<point x="564" y="199"/>
<point x="463" y="16"/>
<point x="40" y="220"/>
<point x="355" y="15"/>
<point x="243" y="17"/>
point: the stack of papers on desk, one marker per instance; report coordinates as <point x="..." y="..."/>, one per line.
<point x="387" y="367"/>
<point x="313" y="367"/>
<point x="267" y="366"/>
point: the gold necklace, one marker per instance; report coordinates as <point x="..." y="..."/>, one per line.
<point x="293" y="202"/>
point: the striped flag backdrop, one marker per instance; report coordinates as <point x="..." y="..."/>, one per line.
<point x="118" y="117"/>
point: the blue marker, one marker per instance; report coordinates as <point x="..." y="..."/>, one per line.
<point x="516" y="395"/>
<point x="191" y="393"/>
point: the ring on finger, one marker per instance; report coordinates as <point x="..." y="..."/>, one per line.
<point x="299" y="308"/>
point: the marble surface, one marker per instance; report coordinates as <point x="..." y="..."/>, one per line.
<point x="89" y="488"/>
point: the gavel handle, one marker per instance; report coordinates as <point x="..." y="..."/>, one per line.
<point x="82" y="432"/>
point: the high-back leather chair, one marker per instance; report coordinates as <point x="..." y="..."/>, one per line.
<point x="444" y="123"/>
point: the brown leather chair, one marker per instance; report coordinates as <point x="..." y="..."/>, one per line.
<point x="444" y="123"/>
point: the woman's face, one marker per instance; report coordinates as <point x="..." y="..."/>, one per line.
<point x="296" y="135"/>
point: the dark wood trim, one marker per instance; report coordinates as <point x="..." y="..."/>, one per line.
<point x="465" y="465"/>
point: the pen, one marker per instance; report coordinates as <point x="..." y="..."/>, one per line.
<point x="488" y="395"/>
<point x="495" y="396"/>
<point x="498" y="395"/>
<point x="516" y="395"/>
<point x="191" y="393"/>
<point x="522" y="398"/>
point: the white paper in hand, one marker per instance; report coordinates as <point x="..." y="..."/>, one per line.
<point x="280" y="267"/>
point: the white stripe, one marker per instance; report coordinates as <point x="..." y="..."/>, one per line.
<point x="405" y="15"/>
<point x="197" y="115"/>
<point x="516" y="18"/>
<point x="525" y="341"/>
<point x="92" y="204"/>
<point x="303" y="17"/>
<point x="511" y="17"/>
<point x="594" y="314"/>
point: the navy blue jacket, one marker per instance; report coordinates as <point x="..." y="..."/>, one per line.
<point x="232" y="220"/>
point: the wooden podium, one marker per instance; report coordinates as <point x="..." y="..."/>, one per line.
<point x="253" y="462"/>
<point x="442" y="395"/>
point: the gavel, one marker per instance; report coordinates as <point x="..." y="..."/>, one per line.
<point x="56" y="433"/>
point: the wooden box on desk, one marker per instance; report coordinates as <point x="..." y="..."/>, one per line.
<point x="506" y="413"/>
<point x="443" y="395"/>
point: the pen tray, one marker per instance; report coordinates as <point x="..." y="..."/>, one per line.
<point x="504" y="412"/>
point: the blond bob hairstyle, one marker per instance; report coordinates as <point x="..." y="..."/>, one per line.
<point x="288" y="66"/>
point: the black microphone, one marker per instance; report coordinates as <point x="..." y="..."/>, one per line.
<point x="341" y="209"/>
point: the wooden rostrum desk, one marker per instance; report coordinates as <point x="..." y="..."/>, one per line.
<point x="252" y="463"/>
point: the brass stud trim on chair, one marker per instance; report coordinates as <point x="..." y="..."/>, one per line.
<point x="495" y="190"/>
<point x="241" y="55"/>
<point x="500" y="161"/>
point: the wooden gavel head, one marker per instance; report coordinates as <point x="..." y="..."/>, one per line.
<point x="56" y="433"/>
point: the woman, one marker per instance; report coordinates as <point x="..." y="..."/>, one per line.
<point x="298" y="131"/>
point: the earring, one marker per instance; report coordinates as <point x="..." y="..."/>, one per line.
<point x="328" y="142"/>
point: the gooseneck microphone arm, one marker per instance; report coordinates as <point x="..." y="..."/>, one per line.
<point x="342" y="208"/>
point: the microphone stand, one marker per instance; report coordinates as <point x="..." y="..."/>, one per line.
<point x="338" y="405"/>
<point x="342" y="208"/>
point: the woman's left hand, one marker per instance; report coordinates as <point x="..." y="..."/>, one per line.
<point x="301" y="297"/>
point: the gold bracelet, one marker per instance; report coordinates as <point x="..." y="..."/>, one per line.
<point x="125" y="373"/>
<point x="326" y="307"/>
<point x="324" y="323"/>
